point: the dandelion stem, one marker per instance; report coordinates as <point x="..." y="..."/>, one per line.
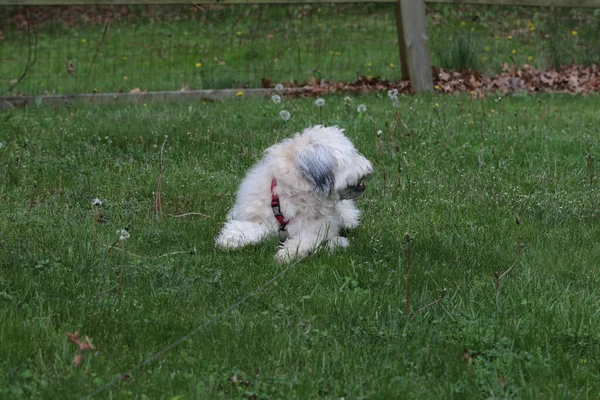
<point x="33" y="193"/>
<point x="157" y="208"/>
<point x="408" y="273"/>
<point x="120" y="281"/>
<point x="95" y="224"/>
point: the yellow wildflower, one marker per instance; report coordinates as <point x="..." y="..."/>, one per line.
<point x="239" y="33"/>
<point x="198" y="64"/>
<point x="529" y="58"/>
<point x="83" y="40"/>
<point x="509" y="37"/>
<point x="574" y="33"/>
<point x="513" y="51"/>
<point x="436" y="105"/>
<point x="392" y="65"/>
<point x="239" y="94"/>
<point x="125" y="58"/>
<point x="436" y="87"/>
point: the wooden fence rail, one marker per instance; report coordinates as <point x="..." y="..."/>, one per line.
<point x="410" y="21"/>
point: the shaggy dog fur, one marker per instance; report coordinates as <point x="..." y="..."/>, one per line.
<point x="318" y="174"/>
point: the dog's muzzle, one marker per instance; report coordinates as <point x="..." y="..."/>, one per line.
<point x="353" y="192"/>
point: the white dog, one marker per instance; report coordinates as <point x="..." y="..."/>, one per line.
<point x="302" y="190"/>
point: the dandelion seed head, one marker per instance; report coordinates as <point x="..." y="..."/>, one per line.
<point x="96" y="202"/>
<point x="392" y="93"/>
<point x="285" y="115"/>
<point x="361" y="108"/>
<point x="276" y="99"/>
<point x="320" y="102"/>
<point x="379" y="133"/>
<point x="124" y="234"/>
<point x="347" y="100"/>
<point x="279" y="87"/>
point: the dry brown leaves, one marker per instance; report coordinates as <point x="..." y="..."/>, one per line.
<point x="82" y="346"/>
<point x="523" y="79"/>
<point x="568" y="79"/>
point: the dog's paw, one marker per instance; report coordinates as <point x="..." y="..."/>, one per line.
<point x="339" y="241"/>
<point x="283" y="256"/>
<point x="349" y="214"/>
<point x="228" y="242"/>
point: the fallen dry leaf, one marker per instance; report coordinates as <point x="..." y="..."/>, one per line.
<point x="78" y="359"/>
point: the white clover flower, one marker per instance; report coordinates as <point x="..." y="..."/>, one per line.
<point x="279" y="87"/>
<point x="285" y="115"/>
<point x="392" y="93"/>
<point x="124" y="234"/>
<point x="276" y="99"/>
<point x="96" y="202"/>
<point x="361" y="108"/>
<point x="320" y="102"/>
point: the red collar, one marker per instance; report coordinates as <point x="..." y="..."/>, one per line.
<point x="276" y="207"/>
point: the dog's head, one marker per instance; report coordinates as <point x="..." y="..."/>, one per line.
<point x="327" y="163"/>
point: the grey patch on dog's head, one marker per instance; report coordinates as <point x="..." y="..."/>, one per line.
<point x="317" y="166"/>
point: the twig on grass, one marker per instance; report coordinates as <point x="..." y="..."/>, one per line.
<point x="425" y="307"/>
<point x="190" y="213"/>
<point x="499" y="276"/>
<point x="191" y="252"/>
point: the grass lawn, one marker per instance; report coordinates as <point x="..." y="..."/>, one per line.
<point x="334" y="326"/>
<point x="163" y="47"/>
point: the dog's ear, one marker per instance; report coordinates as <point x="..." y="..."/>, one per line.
<point x="317" y="165"/>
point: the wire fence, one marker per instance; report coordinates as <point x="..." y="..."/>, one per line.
<point x="89" y="49"/>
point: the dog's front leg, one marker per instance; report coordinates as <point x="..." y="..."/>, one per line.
<point x="309" y="237"/>
<point x="241" y="233"/>
<point x="349" y="214"/>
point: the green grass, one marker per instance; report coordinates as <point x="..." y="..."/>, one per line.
<point x="335" y="325"/>
<point x="160" y="48"/>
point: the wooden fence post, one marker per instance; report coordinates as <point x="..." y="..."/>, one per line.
<point x="412" y="42"/>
